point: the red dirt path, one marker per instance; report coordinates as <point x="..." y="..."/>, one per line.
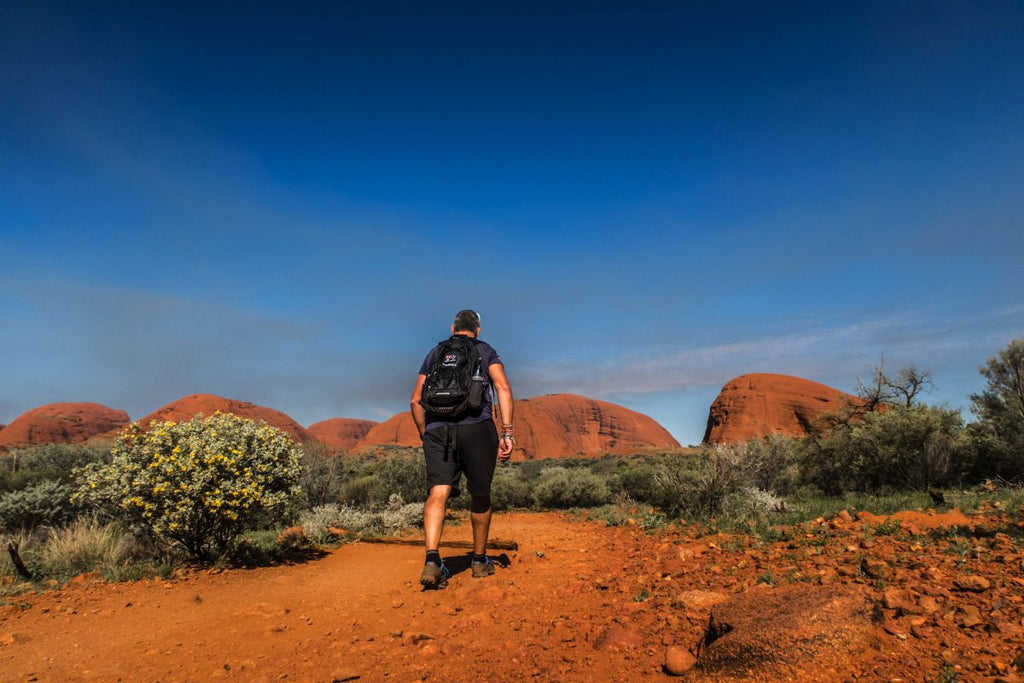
<point x="578" y="602"/>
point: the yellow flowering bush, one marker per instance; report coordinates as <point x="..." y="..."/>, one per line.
<point x="195" y="484"/>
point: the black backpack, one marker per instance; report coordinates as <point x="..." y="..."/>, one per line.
<point x="455" y="381"/>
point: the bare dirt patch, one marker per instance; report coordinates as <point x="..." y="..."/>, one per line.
<point x="578" y="602"/>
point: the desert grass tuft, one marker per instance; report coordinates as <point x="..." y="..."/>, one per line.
<point x="83" y="546"/>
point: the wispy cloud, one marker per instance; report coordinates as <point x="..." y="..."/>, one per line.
<point x="833" y="355"/>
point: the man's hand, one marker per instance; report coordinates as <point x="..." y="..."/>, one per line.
<point x="505" y="444"/>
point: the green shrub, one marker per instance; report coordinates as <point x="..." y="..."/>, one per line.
<point x="403" y="475"/>
<point x="638" y="481"/>
<point x="358" y="491"/>
<point x="677" y="490"/>
<point x="768" y="464"/>
<point x="196" y="484"/>
<point x="917" y="448"/>
<point x="23" y="467"/>
<point x="41" y="503"/>
<point x="509" y="489"/>
<point x="559" y="487"/>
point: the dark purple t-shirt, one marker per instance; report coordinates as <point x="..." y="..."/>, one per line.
<point x="488" y="357"/>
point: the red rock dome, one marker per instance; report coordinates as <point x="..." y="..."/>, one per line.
<point x="567" y="425"/>
<point x="758" y="405"/>
<point x="554" y="426"/>
<point x="186" y="408"/>
<point x="340" y="433"/>
<point x="399" y="430"/>
<point x="61" y="423"/>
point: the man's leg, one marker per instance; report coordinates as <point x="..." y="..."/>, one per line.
<point x="480" y="514"/>
<point x="435" y="574"/>
<point x="433" y="515"/>
<point x="479" y="447"/>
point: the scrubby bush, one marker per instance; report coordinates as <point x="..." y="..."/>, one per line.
<point x="397" y="515"/>
<point x="509" y="489"/>
<point x="559" y="487"/>
<point x="358" y="490"/>
<point x="638" y="481"/>
<point x="195" y="484"/>
<point x="322" y="475"/>
<point x="42" y="502"/>
<point x="917" y="447"/>
<point x="23" y="467"/>
<point x="768" y="464"/>
<point x="700" y="484"/>
<point x="750" y="502"/>
<point x="696" y="486"/>
<point x="403" y="474"/>
<point x="317" y="522"/>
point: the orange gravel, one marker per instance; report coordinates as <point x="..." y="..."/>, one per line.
<point x="578" y="602"/>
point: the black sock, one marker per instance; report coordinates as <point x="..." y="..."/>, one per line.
<point x="479" y="558"/>
<point x="434" y="556"/>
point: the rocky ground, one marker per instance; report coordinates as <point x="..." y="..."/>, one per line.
<point x="915" y="597"/>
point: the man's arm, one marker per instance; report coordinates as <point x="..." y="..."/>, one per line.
<point x="505" y="406"/>
<point x="419" y="415"/>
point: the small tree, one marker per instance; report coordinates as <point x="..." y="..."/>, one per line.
<point x="195" y="484"/>
<point x="1000" y="411"/>
<point x="903" y="389"/>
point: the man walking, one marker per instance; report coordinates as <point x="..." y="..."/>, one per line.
<point x="451" y="405"/>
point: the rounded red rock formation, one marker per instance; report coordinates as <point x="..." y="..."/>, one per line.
<point x="398" y="430"/>
<point x="61" y="423"/>
<point x="553" y="426"/>
<point x="567" y="425"/>
<point x="340" y="433"/>
<point x="759" y="405"/>
<point x="186" y="408"/>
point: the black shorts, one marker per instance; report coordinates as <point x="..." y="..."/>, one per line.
<point x="454" y="449"/>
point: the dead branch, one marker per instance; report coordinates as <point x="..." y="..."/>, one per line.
<point x="23" y="572"/>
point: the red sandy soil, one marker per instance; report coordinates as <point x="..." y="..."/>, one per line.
<point x="61" y="423"/>
<point x="553" y="426"/>
<point x="578" y="602"/>
<point x="340" y="433"/>
<point x="186" y="408"/>
<point x="758" y="405"/>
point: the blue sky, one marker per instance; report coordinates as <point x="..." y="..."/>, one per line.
<point x="286" y="204"/>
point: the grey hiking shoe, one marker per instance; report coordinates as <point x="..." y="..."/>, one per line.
<point x="482" y="569"/>
<point x="434" y="576"/>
